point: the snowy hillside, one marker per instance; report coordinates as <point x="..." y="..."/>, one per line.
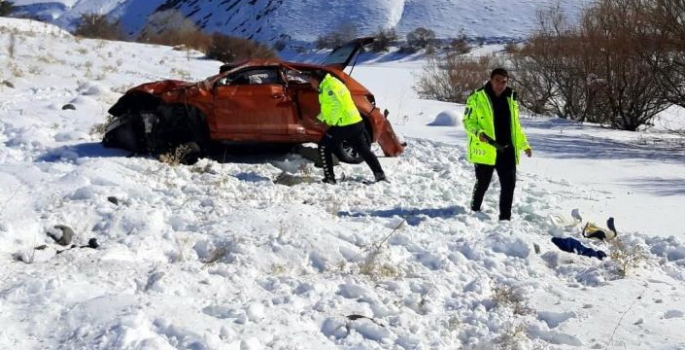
<point x="218" y="256"/>
<point x="305" y="20"/>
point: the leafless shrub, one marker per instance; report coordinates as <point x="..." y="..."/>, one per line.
<point x="508" y="296"/>
<point x="176" y="156"/>
<point x="512" y="48"/>
<point x="419" y="39"/>
<point x="372" y="265"/>
<point x="282" y="42"/>
<point x="228" y="49"/>
<point x="98" y="26"/>
<point x="171" y="28"/>
<point x="383" y="39"/>
<point x="6" y="8"/>
<point x="514" y="338"/>
<point x="100" y="128"/>
<point x="626" y="257"/>
<point x="452" y="77"/>
<point x="342" y="34"/>
<point x="591" y="71"/>
<point x="460" y="45"/>
<point x="632" y="95"/>
<point x="666" y="52"/>
<point x="11" y="45"/>
<point x="216" y="255"/>
<point x="15" y="70"/>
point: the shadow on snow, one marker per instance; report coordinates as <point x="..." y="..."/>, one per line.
<point x="413" y="216"/>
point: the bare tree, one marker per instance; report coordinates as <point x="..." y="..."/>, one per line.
<point x="666" y="51"/>
<point x="98" y="26"/>
<point x="420" y="38"/>
<point x="170" y="27"/>
<point x="383" y="39"/>
<point x="632" y="93"/>
<point x="6" y="7"/>
<point x="228" y="49"/>
<point x="551" y="69"/>
<point x="593" y="71"/>
<point x="452" y="77"/>
<point x="342" y="34"/>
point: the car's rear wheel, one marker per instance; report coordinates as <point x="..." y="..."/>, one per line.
<point x="347" y="154"/>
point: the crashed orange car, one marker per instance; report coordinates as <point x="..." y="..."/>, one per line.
<point x="255" y="101"/>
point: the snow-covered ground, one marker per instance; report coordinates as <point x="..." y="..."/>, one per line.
<point x="217" y="256"/>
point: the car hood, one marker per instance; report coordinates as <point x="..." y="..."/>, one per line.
<point x="160" y="87"/>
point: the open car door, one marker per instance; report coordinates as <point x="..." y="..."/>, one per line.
<point x="341" y="57"/>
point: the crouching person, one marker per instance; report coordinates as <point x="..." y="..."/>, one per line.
<point x="340" y="114"/>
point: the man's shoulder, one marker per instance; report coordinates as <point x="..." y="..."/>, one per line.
<point x="475" y="94"/>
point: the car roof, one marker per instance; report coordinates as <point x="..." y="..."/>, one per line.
<point x="337" y="60"/>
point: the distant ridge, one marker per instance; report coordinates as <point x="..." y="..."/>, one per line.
<point x="305" y="20"/>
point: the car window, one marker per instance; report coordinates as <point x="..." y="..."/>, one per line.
<point x="251" y="77"/>
<point x="296" y="76"/>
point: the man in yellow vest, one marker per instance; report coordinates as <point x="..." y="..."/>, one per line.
<point x="339" y="112"/>
<point x="495" y="139"/>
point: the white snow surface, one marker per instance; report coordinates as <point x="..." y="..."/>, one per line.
<point x="217" y="256"/>
<point x="306" y="20"/>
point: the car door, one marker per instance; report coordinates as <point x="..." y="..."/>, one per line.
<point x="252" y="105"/>
<point x="341" y="57"/>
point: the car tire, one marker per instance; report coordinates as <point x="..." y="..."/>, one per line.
<point x="347" y="154"/>
<point x="193" y="153"/>
<point x="197" y="139"/>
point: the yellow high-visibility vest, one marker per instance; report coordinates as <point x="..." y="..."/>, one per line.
<point x="337" y="106"/>
<point x="479" y="118"/>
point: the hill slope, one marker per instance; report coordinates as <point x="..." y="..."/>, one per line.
<point x="305" y="20"/>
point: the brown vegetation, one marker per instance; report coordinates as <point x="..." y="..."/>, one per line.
<point x="172" y="28"/>
<point x="620" y="65"/>
<point x="453" y="77"/>
<point x="594" y="71"/>
<point x="383" y="39"/>
<point x="6" y="7"/>
<point x="229" y="49"/>
<point x="98" y="26"/>
<point x="342" y="34"/>
<point x="419" y="39"/>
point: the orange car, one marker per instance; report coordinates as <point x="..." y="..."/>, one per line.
<point x="258" y="100"/>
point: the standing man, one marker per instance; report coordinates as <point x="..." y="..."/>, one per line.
<point x="495" y="139"/>
<point x="340" y="114"/>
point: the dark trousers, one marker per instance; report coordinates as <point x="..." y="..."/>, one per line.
<point x="507" y="178"/>
<point x="354" y="135"/>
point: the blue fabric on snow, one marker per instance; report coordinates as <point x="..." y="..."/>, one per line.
<point x="572" y="245"/>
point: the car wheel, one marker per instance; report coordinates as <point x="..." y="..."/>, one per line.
<point x="186" y="126"/>
<point x="191" y="153"/>
<point x="347" y="154"/>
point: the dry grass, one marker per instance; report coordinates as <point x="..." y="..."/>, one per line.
<point x="626" y="258"/>
<point x="175" y="157"/>
<point x="507" y="296"/>
<point x="216" y="255"/>
<point x="513" y="339"/>
<point x="11" y="45"/>
<point x="373" y="266"/>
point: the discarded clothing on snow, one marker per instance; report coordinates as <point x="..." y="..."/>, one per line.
<point x="591" y="230"/>
<point x="572" y="245"/>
